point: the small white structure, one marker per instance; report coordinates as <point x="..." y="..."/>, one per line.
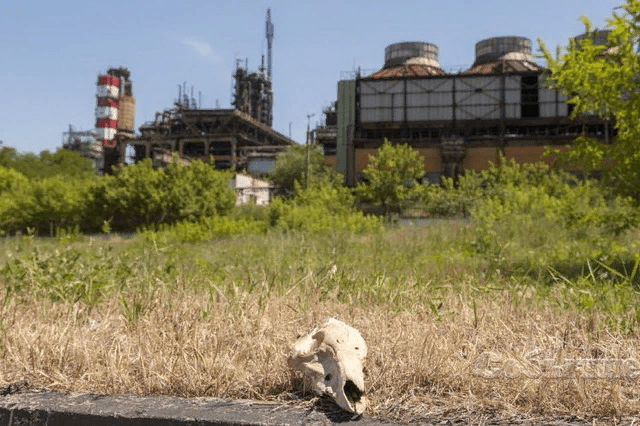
<point x="251" y="190"/>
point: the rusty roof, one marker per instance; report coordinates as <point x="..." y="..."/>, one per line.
<point x="506" y="66"/>
<point x="407" y="70"/>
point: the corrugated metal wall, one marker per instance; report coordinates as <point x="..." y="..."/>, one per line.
<point x="346" y="121"/>
<point x="478" y="98"/>
<point x="552" y="103"/>
<point x="512" y="98"/>
<point x="429" y="99"/>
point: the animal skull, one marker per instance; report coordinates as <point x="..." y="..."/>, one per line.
<point x="330" y="357"/>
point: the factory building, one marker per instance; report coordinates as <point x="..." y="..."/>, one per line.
<point x="237" y="138"/>
<point x="458" y="122"/>
<point x="85" y="143"/>
<point x="234" y="139"/>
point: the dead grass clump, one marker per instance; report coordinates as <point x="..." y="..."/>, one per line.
<point x="419" y="362"/>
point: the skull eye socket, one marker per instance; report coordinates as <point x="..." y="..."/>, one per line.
<point x="327" y="377"/>
<point x="352" y="392"/>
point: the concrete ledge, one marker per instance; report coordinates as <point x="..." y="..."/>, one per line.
<point x="79" y="409"/>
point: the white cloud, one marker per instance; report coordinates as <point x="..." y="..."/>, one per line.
<point x="202" y="48"/>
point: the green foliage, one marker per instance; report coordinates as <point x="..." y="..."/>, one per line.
<point x="400" y="269"/>
<point x="290" y="168"/>
<point x="64" y="274"/>
<point x="604" y="289"/>
<point x="136" y="196"/>
<point x="11" y="180"/>
<point x="533" y="190"/>
<point x="525" y="211"/>
<point x="450" y="200"/>
<point x="132" y="197"/>
<point x="196" y="190"/>
<point x="604" y="80"/>
<point x="207" y="228"/>
<point x="320" y="208"/>
<point x="61" y="163"/>
<point x="139" y="195"/>
<point x="250" y="211"/>
<point x="45" y="205"/>
<point x="392" y="176"/>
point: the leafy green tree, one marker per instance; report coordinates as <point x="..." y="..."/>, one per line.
<point x="131" y="197"/>
<point x="8" y="156"/>
<point x="392" y="176"/>
<point x="604" y="80"/>
<point x="11" y="179"/>
<point x="320" y="208"/>
<point x="290" y="168"/>
<point x="196" y="190"/>
<point x="139" y="195"/>
<point x="39" y="166"/>
<point x="66" y="163"/>
<point x="46" y="205"/>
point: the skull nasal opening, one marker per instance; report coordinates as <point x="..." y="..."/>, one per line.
<point x="352" y="392"/>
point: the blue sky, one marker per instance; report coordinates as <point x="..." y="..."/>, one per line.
<point x="51" y="52"/>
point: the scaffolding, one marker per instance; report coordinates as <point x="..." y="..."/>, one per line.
<point x="84" y="142"/>
<point x="253" y="94"/>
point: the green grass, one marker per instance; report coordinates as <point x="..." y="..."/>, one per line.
<point x="398" y="268"/>
<point x="216" y="318"/>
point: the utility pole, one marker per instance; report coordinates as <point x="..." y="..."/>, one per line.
<point x="306" y="161"/>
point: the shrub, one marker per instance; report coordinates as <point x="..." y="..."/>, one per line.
<point x="139" y="195"/>
<point x="321" y="208"/>
<point x="47" y="205"/>
<point x="207" y="228"/>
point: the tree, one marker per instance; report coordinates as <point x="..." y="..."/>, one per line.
<point x="392" y="176"/>
<point x="196" y="190"/>
<point x="139" y="195"/>
<point x="604" y="80"/>
<point x="290" y="168"/>
<point x="39" y="166"/>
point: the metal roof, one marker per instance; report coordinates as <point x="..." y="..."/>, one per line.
<point x="504" y="66"/>
<point x="407" y="70"/>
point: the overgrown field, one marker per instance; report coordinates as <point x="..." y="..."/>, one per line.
<point x="450" y="323"/>
<point x="522" y="293"/>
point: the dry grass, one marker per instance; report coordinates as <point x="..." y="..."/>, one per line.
<point x="218" y="319"/>
<point x="420" y="360"/>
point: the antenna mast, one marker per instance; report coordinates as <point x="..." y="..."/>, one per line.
<point x="269" y="35"/>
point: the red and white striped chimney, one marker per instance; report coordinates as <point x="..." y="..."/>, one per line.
<point x="107" y="109"/>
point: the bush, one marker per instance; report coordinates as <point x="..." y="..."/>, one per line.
<point x="11" y="179"/>
<point x="136" y="196"/>
<point x="207" y="228"/>
<point x="139" y="195"/>
<point x="250" y="211"/>
<point x="449" y="200"/>
<point x="47" y="205"/>
<point x="392" y="177"/>
<point x="321" y="208"/>
<point x="527" y="211"/>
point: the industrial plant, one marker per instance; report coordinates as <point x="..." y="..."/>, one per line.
<point x="457" y="121"/>
<point x="238" y="138"/>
